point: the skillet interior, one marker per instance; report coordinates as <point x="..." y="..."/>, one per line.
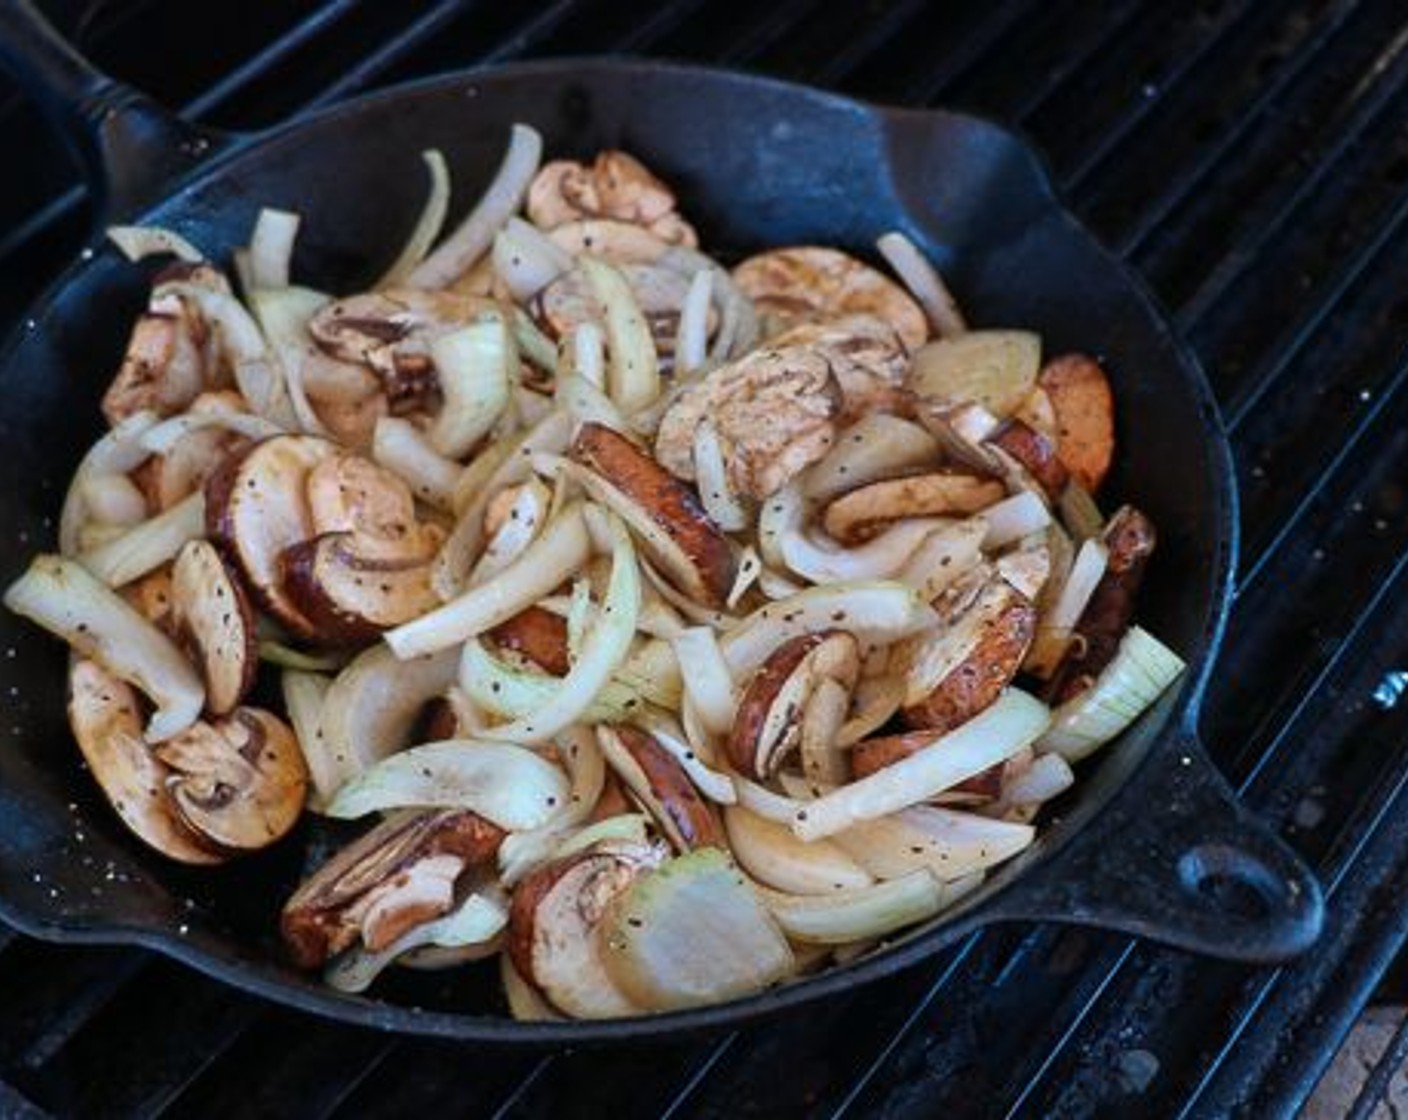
<point x="755" y="163"/>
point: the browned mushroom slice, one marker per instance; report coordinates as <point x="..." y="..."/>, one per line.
<point x="774" y="411"/>
<point x="151" y="596"/>
<point x="960" y="667"/>
<point x="555" y="923"/>
<point x="107" y="722"/>
<point x="856" y="517"/>
<point x="768" y="726"/>
<point x="327" y="913"/>
<point x="166" y="479"/>
<point x="213" y="620"/>
<point x="867" y="356"/>
<point x="538" y="635"/>
<point x="256" y="506"/>
<point x="661" y="785"/>
<point x="568" y="302"/>
<point x="616" y="186"/>
<point x="1084" y="409"/>
<point x="349" y="594"/>
<point x="811" y="284"/>
<point x="239" y="782"/>
<point x="985" y="786"/>
<point x="661" y="510"/>
<point x="1130" y="538"/>
<point x="1034" y="452"/>
<point x="352" y="494"/>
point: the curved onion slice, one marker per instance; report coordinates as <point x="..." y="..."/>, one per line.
<point x="873" y="703"/>
<point x="563" y="547"/>
<point x="1056" y="628"/>
<point x="283" y="315"/>
<point x="271" y="248"/>
<point x="1013" y="518"/>
<point x="472" y="366"/>
<point x="527" y="260"/>
<point x="402" y="448"/>
<point x="857" y="913"/>
<point x="708" y="681"/>
<point x="64" y="598"/>
<point x="1048" y="776"/>
<point x="924" y="283"/>
<point x="512" y="693"/>
<point x="304" y="694"/>
<point x="604" y="648"/>
<point x="692" y="932"/>
<point x="947" y="843"/>
<point x="162" y="438"/>
<point x="428" y="225"/>
<point x="473" y="237"/>
<point x="877" y="446"/>
<point x="873" y="610"/>
<point x="633" y="371"/>
<point x="1142" y="668"/>
<point x="1013" y="722"/>
<point x="521" y="852"/>
<point x="738" y="321"/>
<point x="116" y="453"/>
<point x="584" y="400"/>
<point x="149" y="545"/>
<point x="882" y="557"/>
<point x="944" y="555"/>
<point x="692" y="337"/>
<point x="588" y="356"/>
<point x="763" y="802"/>
<point x="526" y="517"/>
<point x="716" y="786"/>
<point x="770" y="853"/>
<point x="508" y="785"/>
<point x="783" y="512"/>
<point x="114" y="500"/>
<point x="139" y="242"/>
<point x="717" y="496"/>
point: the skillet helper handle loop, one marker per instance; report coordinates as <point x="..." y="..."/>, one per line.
<point x="1177" y="858"/>
<point x="131" y="149"/>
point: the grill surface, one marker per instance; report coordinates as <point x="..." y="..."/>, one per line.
<point x="1250" y="160"/>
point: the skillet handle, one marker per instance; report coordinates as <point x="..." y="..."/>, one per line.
<point x="1176" y="857"/>
<point x="130" y="148"/>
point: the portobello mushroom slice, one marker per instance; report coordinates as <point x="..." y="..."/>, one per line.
<point x="770" y="720"/>
<point x="856" y="517"/>
<point x="107" y="722"/>
<point x="212" y="618"/>
<point x="256" y="506"/>
<point x="338" y="904"/>
<point x="555" y="926"/>
<point x="538" y="635"/>
<point x="663" y="512"/>
<point x="240" y="782"/>
<point x="662" y="787"/>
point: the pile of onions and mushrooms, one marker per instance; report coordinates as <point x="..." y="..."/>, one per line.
<point x="676" y="630"/>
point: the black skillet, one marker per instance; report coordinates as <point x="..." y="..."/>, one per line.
<point x="1152" y="841"/>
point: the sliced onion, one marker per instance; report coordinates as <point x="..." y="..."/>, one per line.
<point x="303" y="700"/>
<point x="473" y="237"/>
<point x="286" y="657"/>
<point x="770" y="853"/>
<point x="944" y="555"/>
<point x="782" y="512"/>
<point x="374" y="704"/>
<point x="162" y="438"/>
<point x="1057" y="627"/>
<point x="114" y="499"/>
<point x="586" y="403"/>
<point x="148" y="546"/>
<point x="511" y="692"/>
<point x="877" y="446"/>
<point x="1048" y="776"/>
<point x="521" y="852"/>
<point x="715" y="492"/>
<point x="822" y="720"/>
<point x="283" y="314"/>
<point x="116" y="453"/>
<point x="533" y="344"/>
<point x="563" y="547"/>
<point x="766" y="803"/>
<point x="1012" y="723"/>
<point x="603" y="650"/>
<point x="633" y="369"/>
<point x="402" y="448"/>
<point x="508" y="785"/>
<point x="708" y="682"/>
<point x="873" y="610"/>
<point x="140" y="242"/>
<point x="738" y="321"/>
<point x="857" y="913"/>
<point x="579" y="616"/>
<point x="875" y="701"/>
<point x="527" y="260"/>
<point x="881" y="557"/>
<point x="271" y="248"/>
<point x="472" y="365"/>
<point x="589" y="354"/>
<point x="924" y="283"/>
<point x="630" y="828"/>
<point x="428" y="224"/>
<point x="526" y="518"/>
<point x="258" y="375"/>
<point x="750" y="567"/>
<point x="65" y="599"/>
<point x="1013" y="518"/>
<point x="775" y="585"/>
<point x="1142" y="668"/>
<point x="653" y="672"/>
<point x="716" y="786"/>
<point x="696" y="613"/>
<point x="947" y="843"/>
<point x="692" y="338"/>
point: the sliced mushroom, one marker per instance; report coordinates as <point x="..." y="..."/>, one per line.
<point x="1035" y="453"/>
<point x="554" y="936"/>
<point x="352" y="494"/>
<point x="1084" y="408"/>
<point x="107" y="722"/>
<point x="871" y="755"/>
<point x="811" y="284"/>
<point x="327" y="913"/>
<point x="621" y="243"/>
<point x="538" y="635"/>
<point x="568" y="302"/>
<point x="212" y="618"/>
<point x="1028" y="567"/>
<point x="256" y="507"/>
<point x="769" y="723"/>
<point x="867" y="356"/>
<point x="863" y="513"/>
<point x="661" y="510"/>
<point x="616" y="186"/>
<point x="151" y="597"/>
<point x="960" y="667"/>
<point x="1130" y="538"/>
<point x="239" y="782"/>
<point x="774" y="411"/>
<point x="662" y="787"/>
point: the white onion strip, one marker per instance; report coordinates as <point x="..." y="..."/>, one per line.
<point x="692" y="338"/>
<point x="882" y="557"/>
<point x="526" y="260"/>
<point x="715" y="491"/>
<point x="429" y="223"/>
<point x="1013" y="518"/>
<point x="303" y="699"/>
<point x="589" y="355"/>
<point x="924" y="283"/>
<point x="116" y="453"/>
<point x="633" y="369"/>
<point x="139" y="242"/>
<point x="859" y="912"/>
<point x="402" y="448"/>
<point x="473" y="237"/>
<point x="271" y="248"/>
<point x="707" y="680"/>
<point x="147" y="546"/>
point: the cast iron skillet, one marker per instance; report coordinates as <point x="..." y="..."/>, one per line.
<point x="1152" y="841"/>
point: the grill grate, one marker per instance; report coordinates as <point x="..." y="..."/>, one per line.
<point x="1249" y="160"/>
